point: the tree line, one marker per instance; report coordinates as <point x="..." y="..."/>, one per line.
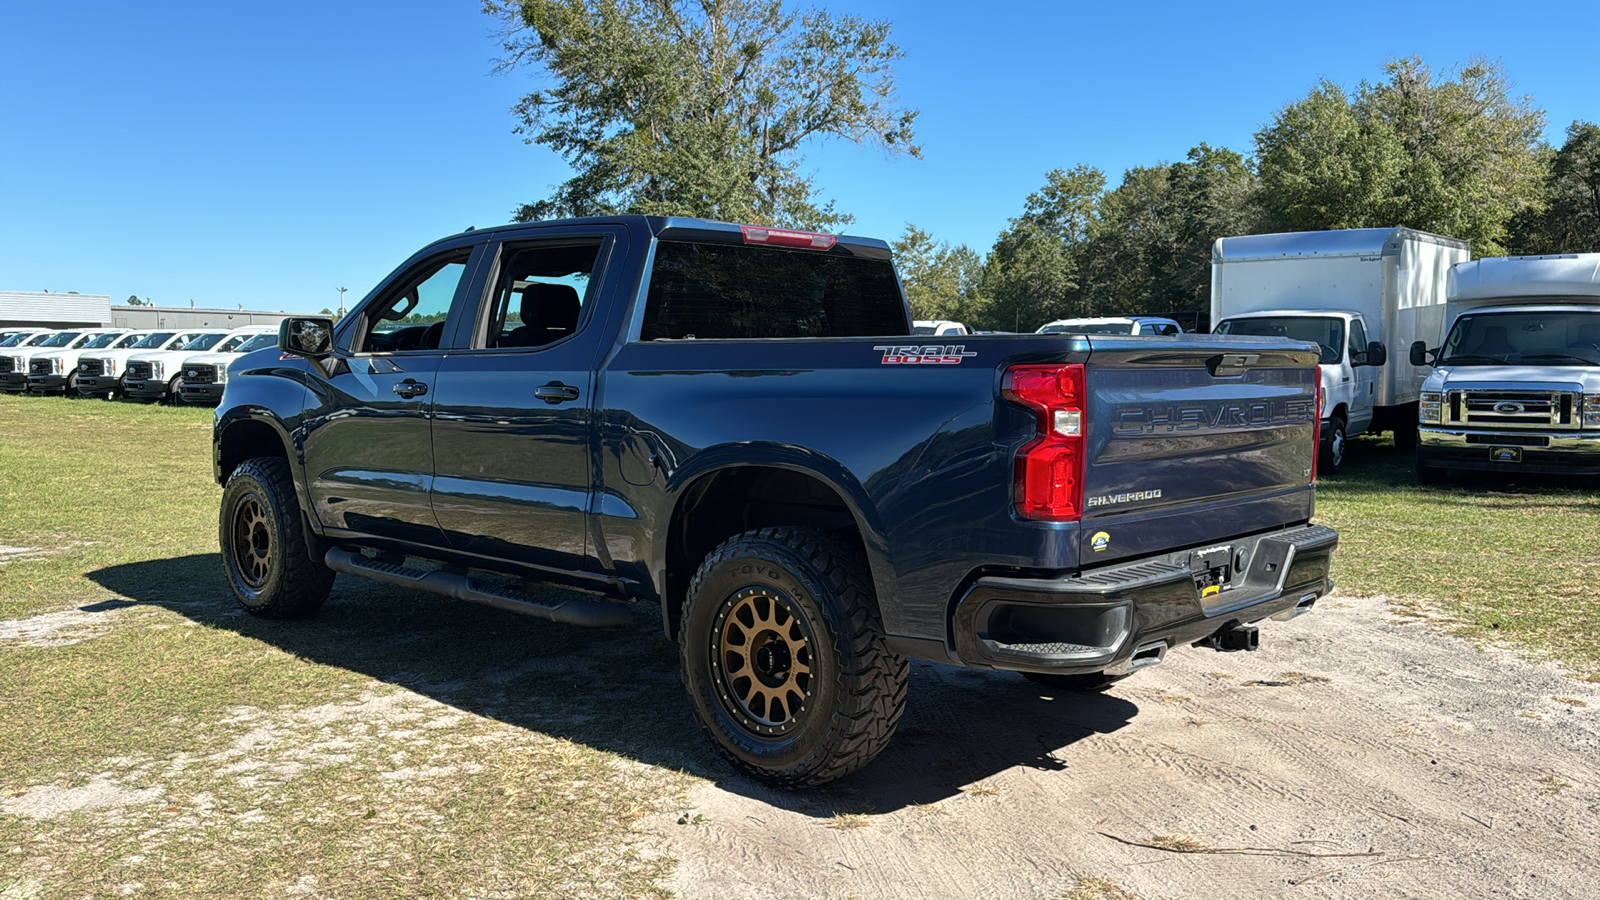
<point x="1449" y="152"/>
<point x="703" y="108"/>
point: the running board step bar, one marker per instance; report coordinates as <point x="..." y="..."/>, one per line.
<point x="571" y="611"/>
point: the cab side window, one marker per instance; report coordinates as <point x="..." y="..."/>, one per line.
<point x="541" y="294"/>
<point x="410" y="316"/>
<point x="1358" y="338"/>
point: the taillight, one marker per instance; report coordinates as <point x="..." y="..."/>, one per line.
<point x="1049" y="469"/>
<point x="1316" y="429"/>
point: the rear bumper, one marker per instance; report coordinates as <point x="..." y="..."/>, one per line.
<point x="1095" y="622"/>
<point x="1537" y="452"/>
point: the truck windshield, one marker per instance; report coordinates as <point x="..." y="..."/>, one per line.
<point x="204" y="342"/>
<point x="1538" y="337"/>
<point x="102" y="341"/>
<point x="703" y="290"/>
<point x="59" y="340"/>
<point x="1326" y="332"/>
<point x="151" y="341"/>
<point x="256" y="342"/>
<point x="15" y="340"/>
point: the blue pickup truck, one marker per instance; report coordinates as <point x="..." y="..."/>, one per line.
<point x="735" y="424"/>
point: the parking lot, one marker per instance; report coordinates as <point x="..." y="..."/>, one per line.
<point x="1429" y="730"/>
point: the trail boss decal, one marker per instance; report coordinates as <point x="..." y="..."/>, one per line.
<point x="935" y="355"/>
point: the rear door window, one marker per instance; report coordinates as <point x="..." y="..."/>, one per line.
<point x="702" y="291"/>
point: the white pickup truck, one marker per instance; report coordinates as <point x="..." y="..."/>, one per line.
<point x="103" y="372"/>
<point x="16" y="364"/>
<point x="56" y="371"/>
<point x="155" y="375"/>
<point x="204" y="376"/>
<point x="1516" y="384"/>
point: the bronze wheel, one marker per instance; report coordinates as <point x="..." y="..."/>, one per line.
<point x="763" y="659"/>
<point x="252" y="542"/>
<point x="265" y="551"/>
<point x="784" y="656"/>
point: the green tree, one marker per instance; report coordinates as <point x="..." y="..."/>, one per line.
<point x="1035" y="271"/>
<point x="941" y="281"/>
<point x="1323" y="165"/>
<point x="698" y="107"/>
<point x="1450" y="153"/>
<point x="1568" y="219"/>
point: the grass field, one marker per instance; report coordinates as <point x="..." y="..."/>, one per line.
<point x="153" y="740"/>
<point x="1496" y="558"/>
<point x="398" y="744"/>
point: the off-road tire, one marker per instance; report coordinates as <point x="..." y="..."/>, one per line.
<point x="1427" y="474"/>
<point x="854" y="690"/>
<point x="1082" y="684"/>
<point x="1334" y="447"/>
<point x="264" y="551"/>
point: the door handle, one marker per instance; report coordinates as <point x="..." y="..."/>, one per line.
<point x="410" y="388"/>
<point x="556" y="392"/>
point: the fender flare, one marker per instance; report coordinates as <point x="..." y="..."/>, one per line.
<point x="761" y="454"/>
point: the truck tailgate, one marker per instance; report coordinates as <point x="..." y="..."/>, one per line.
<point x="1190" y="447"/>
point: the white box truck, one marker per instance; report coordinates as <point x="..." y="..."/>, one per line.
<point x="1516" y="383"/>
<point x="1356" y="293"/>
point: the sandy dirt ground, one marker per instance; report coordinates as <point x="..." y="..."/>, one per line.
<point x="1438" y="769"/>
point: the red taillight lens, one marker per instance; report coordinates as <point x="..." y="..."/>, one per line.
<point x="1049" y="469"/>
<point x="1316" y="429"/>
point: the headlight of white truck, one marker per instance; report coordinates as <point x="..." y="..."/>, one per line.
<point x="1431" y="409"/>
<point x="111" y="366"/>
<point x="55" y="366"/>
<point x="1591" y="411"/>
<point x="222" y="373"/>
<point x="158" y="371"/>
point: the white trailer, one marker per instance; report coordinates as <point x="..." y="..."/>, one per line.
<point x="1363" y="294"/>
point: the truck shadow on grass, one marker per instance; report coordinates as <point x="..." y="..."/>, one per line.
<point x="619" y="690"/>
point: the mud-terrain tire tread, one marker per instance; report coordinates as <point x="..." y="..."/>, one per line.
<point x="304" y="584"/>
<point x="871" y="679"/>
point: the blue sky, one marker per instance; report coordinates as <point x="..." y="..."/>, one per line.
<point x="268" y="154"/>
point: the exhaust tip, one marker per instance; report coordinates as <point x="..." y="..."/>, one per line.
<point x="1146" y="655"/>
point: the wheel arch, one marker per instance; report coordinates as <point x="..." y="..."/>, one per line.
<point x="736" y="490"/>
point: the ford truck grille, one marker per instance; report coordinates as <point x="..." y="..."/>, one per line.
<point x="200" y="373"/>
<point x="138" y="371"/>
<point x="1512" y="409"/>
<point x="93" y="368"/>
<point x="8" y="364"/>
<point x="39" y="367"/>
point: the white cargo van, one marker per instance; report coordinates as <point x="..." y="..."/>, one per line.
<point x="1356" y="293"/>
<point x="1516" y="386"/>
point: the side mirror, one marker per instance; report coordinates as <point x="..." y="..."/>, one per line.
<point x="1377" y="354"/>
<point x="1419" y="354"/>
<point x="308" y="336"/>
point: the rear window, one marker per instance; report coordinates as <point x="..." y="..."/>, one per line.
<point x="732" y="291"/>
